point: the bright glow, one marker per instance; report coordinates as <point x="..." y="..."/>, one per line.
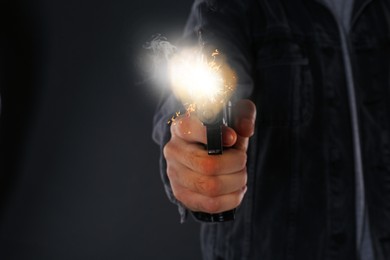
<point x="196" y="79"/>
<point x="199" y="82"/>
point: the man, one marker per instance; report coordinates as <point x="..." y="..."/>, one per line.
<point x="314" y="181"/>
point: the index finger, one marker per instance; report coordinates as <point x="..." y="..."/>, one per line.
<point x="189" y="128"/>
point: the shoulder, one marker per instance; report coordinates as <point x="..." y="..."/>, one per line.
<point x="220" y="13"/>
<point x="222" y="6"/>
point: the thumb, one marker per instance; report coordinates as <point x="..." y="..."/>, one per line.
<point x="244" y="117"/>
<point x="244" y="122"/>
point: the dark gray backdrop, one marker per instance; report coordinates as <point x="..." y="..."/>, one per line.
<point x="79" y="171"/>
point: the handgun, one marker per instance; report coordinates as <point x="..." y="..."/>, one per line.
<point x="214" y="146"/>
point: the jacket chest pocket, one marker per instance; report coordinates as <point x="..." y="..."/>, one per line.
<point x="283" y="85"/>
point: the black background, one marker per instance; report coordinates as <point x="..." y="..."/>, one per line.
<point x="79" y="171"/>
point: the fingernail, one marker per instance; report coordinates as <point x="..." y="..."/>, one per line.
<point x="228" y="138"/>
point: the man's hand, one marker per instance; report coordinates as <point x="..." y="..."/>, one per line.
<point x="205" y="183"/>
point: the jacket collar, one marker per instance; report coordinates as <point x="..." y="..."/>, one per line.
<point x="358" y="8"/>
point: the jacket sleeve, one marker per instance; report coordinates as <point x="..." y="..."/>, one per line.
<point x="225" y="25"/>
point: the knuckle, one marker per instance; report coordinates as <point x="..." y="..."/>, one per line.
<point x="209" y="166"/>
<point x="239" y="196"/>
<point x="237" y="201"/>
<point x="208" y="186"/>
<point x="172" y="149"/>
<point x="243" y="160"/>
<point x="245" y="177"/>
<point x="178" y="194"/>
<point x="168" y="149"/>
<point x="240" y="161"/>
<point x="170" y="172"/>
<point x="175" y="192"/>
<point x="181" y="128"/>
<point x="241" y="181"/>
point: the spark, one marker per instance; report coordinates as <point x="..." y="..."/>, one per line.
<point x="201" y="82"/>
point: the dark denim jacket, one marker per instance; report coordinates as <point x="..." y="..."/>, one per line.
<point x="300" y="202"/>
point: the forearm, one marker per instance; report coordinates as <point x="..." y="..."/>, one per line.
<point x="167" y="108"/>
